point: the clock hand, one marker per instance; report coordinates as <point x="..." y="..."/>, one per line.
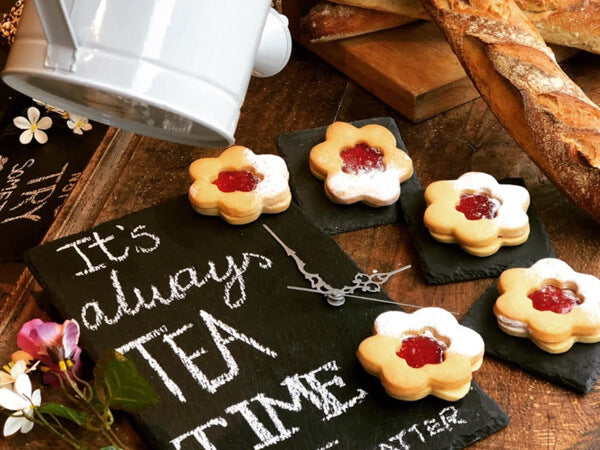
<point x="315" y="279"/>
<point x="372" y="282"/>
<point x="296" y="288"/>
<point x="335" y="296"/>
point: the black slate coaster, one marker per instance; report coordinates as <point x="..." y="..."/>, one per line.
<point x="577" y="369"/>
<point x="448" y="263"/>
<point x="36" y="179"/>
<point x="270" y="367"/>
<point x="309" y="193"/>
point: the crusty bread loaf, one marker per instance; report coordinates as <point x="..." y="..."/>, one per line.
<point x="329" y="21"/>
<point x="410" y="8"/>
<point x="548" y="115"/>
<point x="574" y="23"/>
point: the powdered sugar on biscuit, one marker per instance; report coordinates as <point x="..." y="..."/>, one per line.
<point x="462" y="340"/>
<point x="514" y="200"/>
<point x="382" y="186"/>
<point x="587" y="286"/>
<point x="272" y="169"/>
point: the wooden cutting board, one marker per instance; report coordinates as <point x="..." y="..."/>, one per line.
<point x="411" y="68"/>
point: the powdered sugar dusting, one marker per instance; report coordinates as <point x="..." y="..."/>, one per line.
<point x="463" y="340"/>
<point x="587" y="286"/>
<point x="383" y="186"/>
<point x="272" y="169"/>
<point x="514" y="200"/>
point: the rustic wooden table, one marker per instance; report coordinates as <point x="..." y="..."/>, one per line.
<point x="131" y="172"/>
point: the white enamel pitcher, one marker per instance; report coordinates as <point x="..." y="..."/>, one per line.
<point x="172" y="69"/>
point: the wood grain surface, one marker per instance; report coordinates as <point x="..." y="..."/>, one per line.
<point x="132" y="172"/>
<point x="411" y="68"/>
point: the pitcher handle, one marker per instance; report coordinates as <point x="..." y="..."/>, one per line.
<point x="62" y="43"/>
<point x="275" y="46"/>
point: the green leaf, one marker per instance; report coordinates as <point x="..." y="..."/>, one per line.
<point x="74" y="415"/>
<point x="111" y="447"/>
<point x="119" y="385"/>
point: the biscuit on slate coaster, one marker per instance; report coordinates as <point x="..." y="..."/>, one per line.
<point x="309" y="191"/>
<point x="448" y="263"/>
<point x="576" y="369"/>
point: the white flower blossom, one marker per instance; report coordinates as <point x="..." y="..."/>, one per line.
<point x="78" y="124"/>
<point x="33" y="126"/>
<point x="21" y="400"/>
<point x="12" y="371"/>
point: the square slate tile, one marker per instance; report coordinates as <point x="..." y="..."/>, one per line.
<point x="309" y="192"/>
<point x="578" y="369"/>
<point x="448" y="263"/>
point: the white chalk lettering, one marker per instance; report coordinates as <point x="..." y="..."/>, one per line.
<point x="214" y="325"/>
<point x="110" y="255"/>
<point x="58" y="176"/>
<point x="101" y="242"/>
<point x="449" y="416"/>
<point x="265" y="436"/>
<point x="316" y="393"/>
<point x="329" y="445"/>
<point x="200" y="435"/>
<point x="138" y="233"/>
<point x="391" y="447"/>
<point x="12" y="180"/>
<point x="434" y="426"/>
<point x="297" y="388"/>
<point x="75" y="245"/>
<point x="37" y="197"/>
<point x="180" y="284"/>
<point x="138" y="344"/>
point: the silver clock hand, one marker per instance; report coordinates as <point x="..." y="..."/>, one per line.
<point x="296" y="288"/>
<point x="335" y="296"/>
<point x="315" y="279"/>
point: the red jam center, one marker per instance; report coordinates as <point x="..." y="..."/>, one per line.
<point x="362" y="159"/>
<point x="477" y="206"/>
<point x="421" y="350"/>
<point x="551" y="298"/>
<point x="236" y="180"/>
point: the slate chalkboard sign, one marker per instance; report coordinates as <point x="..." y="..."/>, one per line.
<point x="239" y="360"/>
<point x="36" y="179"/>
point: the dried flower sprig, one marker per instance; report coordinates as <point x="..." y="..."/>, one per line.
<point x="88" y="404"/>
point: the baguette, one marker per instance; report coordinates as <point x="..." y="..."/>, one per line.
<point x="573" y="23"/>
<point x="329" y="21"/>
<point x="547" y="114"/>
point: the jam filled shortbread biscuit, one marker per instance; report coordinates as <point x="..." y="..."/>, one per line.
<point x="239" y="185"/>
<point x="426" y="352"/>
<point x="360" y="164"/>
<point x="551" y="304"/>
<point x="477" y="212"/>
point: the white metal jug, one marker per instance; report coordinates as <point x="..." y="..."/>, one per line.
<point x="172" y="69"/>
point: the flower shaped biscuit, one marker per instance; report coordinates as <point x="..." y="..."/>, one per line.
<point x="426" y="352"/>
<point x="477" y="212"/>
<point x="239" y="185"/>
<point x="360" y="164"/>
<point x="549" y="303"/>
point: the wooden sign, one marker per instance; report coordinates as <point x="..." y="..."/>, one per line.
<point x="36" y="179"/>
<point x="239" y="360"/>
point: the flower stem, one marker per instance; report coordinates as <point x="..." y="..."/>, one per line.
<point x="43" y="422"/>
<point x="106" y="429"/>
